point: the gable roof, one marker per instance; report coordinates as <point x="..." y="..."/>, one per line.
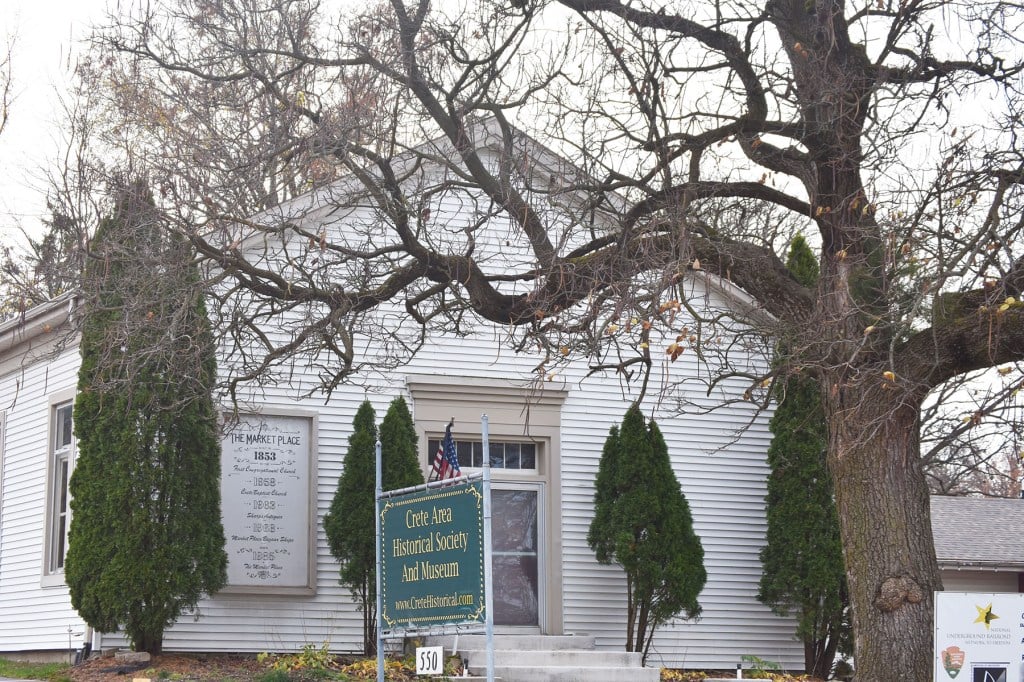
<point x="982" y="532"/>
<point x="547" y="169"/>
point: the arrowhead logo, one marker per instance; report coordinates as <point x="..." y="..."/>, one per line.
<point x="953" y="660"/>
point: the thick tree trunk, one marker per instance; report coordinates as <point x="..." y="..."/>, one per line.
<point x="883" y="505"/>
<point x="153" y="644"/>
<point x="819" y="656"/>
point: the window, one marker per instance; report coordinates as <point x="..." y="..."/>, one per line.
<point x="504" y="455"/>
<point x="61" y="459"/>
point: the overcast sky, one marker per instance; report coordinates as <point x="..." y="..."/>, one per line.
<point x="45" y="34"/>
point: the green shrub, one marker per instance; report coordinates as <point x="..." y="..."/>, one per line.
<point x="642" y="522"/>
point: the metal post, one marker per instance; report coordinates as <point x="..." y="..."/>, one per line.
<point x="379" y="492"/>
<point x="488" y="577"/>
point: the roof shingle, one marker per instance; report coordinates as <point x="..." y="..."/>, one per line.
<point x="982" y="531"/>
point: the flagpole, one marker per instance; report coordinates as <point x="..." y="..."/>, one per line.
<point x="488" y="557"/>
<point x="379" y="492"/>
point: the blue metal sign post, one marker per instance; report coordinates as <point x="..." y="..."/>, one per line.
<point x="434" y="558"/>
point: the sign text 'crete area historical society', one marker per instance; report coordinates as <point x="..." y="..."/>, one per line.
<point x="432" y="557"/>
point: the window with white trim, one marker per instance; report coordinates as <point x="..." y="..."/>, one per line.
<point x="503" y="455"/>
<point x="62" y="456"/>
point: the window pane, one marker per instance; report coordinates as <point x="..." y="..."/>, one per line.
<point x="63" y="427"/>
<point x="512" y="456"/>
<point x="465" y="452"/>
<point x="514" y="522"/>
<point x="515" y="593"/>
<point x="497" y="452"/>
<point x="58" y="532"/>
<point x="528" y="456"/>
<point x="503" y="455"/>
<point x="62" y="491"/>
<point x="514" y="538"/>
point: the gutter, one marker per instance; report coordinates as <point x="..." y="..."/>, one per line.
<point x="982" y="565"/>
<point x="40" y="320"/>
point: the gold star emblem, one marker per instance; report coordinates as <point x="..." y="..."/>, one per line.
<point x="985" y="615"/>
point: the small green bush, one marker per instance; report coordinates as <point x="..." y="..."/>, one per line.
<point x="274" y="675"/>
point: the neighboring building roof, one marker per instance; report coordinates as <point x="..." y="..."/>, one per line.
<point x="21" y="331"/>
<point x="982" y="532"/>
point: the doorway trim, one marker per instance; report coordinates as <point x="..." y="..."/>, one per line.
<point x="514" y="413"/>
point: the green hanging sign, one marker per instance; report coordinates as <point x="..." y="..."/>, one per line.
<point x="432" y="557"/>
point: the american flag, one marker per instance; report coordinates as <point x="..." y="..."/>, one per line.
<point x="446" y="461"/>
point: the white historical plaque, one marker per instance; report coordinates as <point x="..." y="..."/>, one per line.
<point x="265" y="501"/>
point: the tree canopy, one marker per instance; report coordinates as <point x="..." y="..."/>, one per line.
<point x="349" y="522"/>
<point x="400" y="467"/>
<point x="146" y="540"/>
<point x="642" y="522"/>
<point x="701" y="138"/>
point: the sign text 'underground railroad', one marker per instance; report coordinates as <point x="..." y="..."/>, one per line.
<point x="432" y="549"/>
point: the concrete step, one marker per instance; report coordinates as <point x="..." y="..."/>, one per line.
<point x="522" y="673"/>
<point x="548" y="658"/>
<point x="513" y="642"/>
<point x="555" y="658"/>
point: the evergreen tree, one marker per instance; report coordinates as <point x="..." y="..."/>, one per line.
<point x="642" y="522"/>
<point x="350" y="522"/>
<point x="146" y="540"/>
<point x="400" y="467"/>
<point x="803" y="571"/>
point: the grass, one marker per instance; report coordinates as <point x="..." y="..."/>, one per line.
<point x="32" y="671"/>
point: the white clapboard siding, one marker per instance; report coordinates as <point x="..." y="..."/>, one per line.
<point x="722" y="476"/>
<point x="32" y="617"/>
<point x="955" y="580"/>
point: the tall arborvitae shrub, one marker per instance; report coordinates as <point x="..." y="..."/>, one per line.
<point x="803" y="572"/>
<point x="350" y="524"/>
<point x="146" y="540"/>
<point x="400" y="467"/>
<point x="642" y="522"/>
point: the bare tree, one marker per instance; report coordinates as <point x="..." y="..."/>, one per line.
<point x="6" y="77"/>
<point x="78" y="184"/>
<point x="972" y="434"/>
<point x="701" y="136"/>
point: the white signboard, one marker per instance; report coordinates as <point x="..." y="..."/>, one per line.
<point x="265" y="501"/>
<point x="979" y="637"/>
<point x="429" y="660"/>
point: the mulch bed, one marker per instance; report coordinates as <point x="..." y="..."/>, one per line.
<point x="172" y="667"/>
<point x="229" y="668"/>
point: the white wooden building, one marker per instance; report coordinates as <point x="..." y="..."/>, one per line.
<point x="551" y="432"/>
<point x="723" y="478"/>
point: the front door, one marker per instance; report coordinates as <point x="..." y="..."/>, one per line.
<point x="518" y="532"/>
<point x="515" y="549"/>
